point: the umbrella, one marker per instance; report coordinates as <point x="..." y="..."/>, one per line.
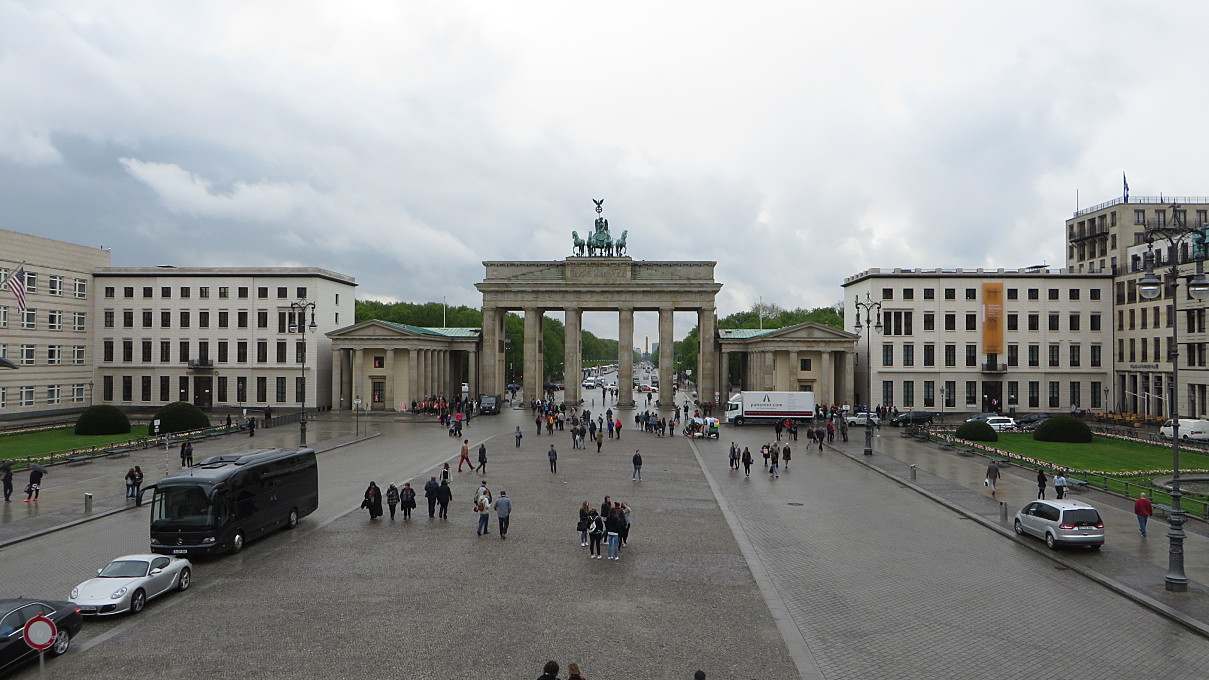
<point x="37" y="467"/>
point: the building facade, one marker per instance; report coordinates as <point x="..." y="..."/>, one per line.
<point x="50" y="341"/>
<point x="1110" y="237"/>
<point x="974" y="340"/>
<point x="217" y="337"/>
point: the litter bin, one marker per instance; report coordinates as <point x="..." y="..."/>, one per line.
<point x="88" y="503"/>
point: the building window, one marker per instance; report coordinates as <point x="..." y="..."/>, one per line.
<point x="929" y="321"/>
<point x="1034" y="293"/>
<point x="887" y="354"/>
<point x="1013" y="355"/>
<point x="27" y="396"/>
<point x="908" y="355"/>
<point x="1073" y="293"/>
<point x="128" y="291"/>
<point x="184" y="351"/>
<point x="165" y="319"/>
<point x="241" y="319"/>
<point x="929" y="293"/>
<point x="241" y="389"/>
<point x="1073" y="320"/>
<point x="77" y="393"/>
<point x="950" y="321"/>
<point x="127" y="350"/>
<point x="908" y="393"/>
<point x="282" y="292"/>
<point x="950" y="293"/>
<point x="29" y="319"/>
<point x="281" y="351"/>
<point x="222" y="319"/>
<point x="127" y="388"/>
<point x="54" y="320"/>
<point x="280" y="385"/>
<point x="148" y="291"/>
<point x="1013" y="322"/>
<point x="1074" y="356"/>
<point x="803" y="365"/>
<point x="908" y="293"/>
<point x="1096" y="389"/>
<point x="77" y="355"/>
<point x="146" y="351"/>
<point x="27" y="355"/>
<point x="1054" y="398"/>
<point x="262" y="351"/>
<point x="949" y="393"/>
<point x="971" y="322"/>
<point x="54" y="286"/>
<point x="262" y="319"/>
<point x="262" y="292"/>
<point x="950" y="355"/>
<point x="242" y="292"/>
<point x="165" y="389"/>
<point x="1054" y="355"/>
<point x="971" y="293"/>
<point x="1096" y="357"/>
<point x="148" y="318"/>
<point x="109" y="291"/>
<point x="165" y="351"/>
<point x="222" y="352"/>
<point x="224" y="292"/>
<point x="1034" y="355"/>
<point x="222" y="388"/>
<point x="184" y="319"/>
<point x="1053" y="322"/>
<point x="145" y="388"/>
<point x="184" y="291"/>
<point x="241" y="352"/>
<point x="128" y="318"/>
<point x="929" y="355"/>
<point x="1013" y="294"/>
<point x="1034" y="322"/>
<point x="1053" y="293"/>
<point x="897" y="323"/>
<point x="81" y="288"/>
<point x="971" y="355"/>
<point x="78" y="321"/>
<point x="107" y="350"/>
<point x="972" y="394"/>
<point x="4" y="317"/>
<point x="1094" y="293"/>
<point x="203" y="291"/>
<point x="887" y="392"/>
<point x="107" y="388"/>
<point x="300" y="292"/>
<point x="166" y="292"/>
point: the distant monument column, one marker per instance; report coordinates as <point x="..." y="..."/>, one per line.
<point x="490" y="382"/>
<point x="572" y="354"/>
<point x="667" y="358"/>
<point x="534" y="375"/>
<point x="625" y="357"/>
<point x="707" y="360"/>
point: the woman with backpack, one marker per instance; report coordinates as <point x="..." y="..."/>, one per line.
<point x="596" y="532"/>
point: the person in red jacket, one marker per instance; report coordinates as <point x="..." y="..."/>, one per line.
<point x="1143" y="509"/>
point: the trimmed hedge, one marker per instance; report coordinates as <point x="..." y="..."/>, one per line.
<point x="102" y="419"/>
<point x="180" y="416"/>
<point x="977" y="431"/>
<point x="1063" y="429"/>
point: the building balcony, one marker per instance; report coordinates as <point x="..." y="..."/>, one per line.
<point x="201" y="364"/>
<point x="994" y="367"/>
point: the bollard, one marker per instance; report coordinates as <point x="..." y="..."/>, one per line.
<point x="913" y="470"/>
<point x="88" y="504"/>
<point x="1003" y="511"/>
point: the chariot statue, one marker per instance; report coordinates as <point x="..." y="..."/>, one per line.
<point x="599" y="243"/>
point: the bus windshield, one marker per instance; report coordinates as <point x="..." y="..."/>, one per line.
<point x="181" y="506"/>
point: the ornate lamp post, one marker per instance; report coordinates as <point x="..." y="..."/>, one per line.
<point x="298" y="319"/>
<point x="1151" y="287"/>
<point x="873" y="312"/>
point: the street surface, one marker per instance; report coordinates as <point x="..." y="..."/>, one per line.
<point x="832" y="571"/>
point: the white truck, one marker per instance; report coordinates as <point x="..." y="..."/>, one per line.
<point x="768" y="407"/>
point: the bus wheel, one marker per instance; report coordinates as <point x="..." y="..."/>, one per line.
<point x="237" y="542"/>
<point x="292" y="520"/>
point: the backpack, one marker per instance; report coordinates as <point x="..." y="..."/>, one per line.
<point x="597" y="526"/>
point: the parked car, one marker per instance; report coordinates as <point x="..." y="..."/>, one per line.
<point x="1030" y="426"/>
<point x="1190" y="428"/>
<point x="860" y="419"/>
<point x="512" y="386"/>
<point x="128" y="582"/>
<point x="1033" y="418"/>
<point x="911" y="418"/>
<point x="644" y="388"/>
<point x="1001" y="423"/>
<point x="1063" y="522"/>
<point x="981" y="416"/>
<point x="16" y="611"/>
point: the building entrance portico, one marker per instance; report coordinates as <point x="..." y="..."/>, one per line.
<point x="579" y="284"/>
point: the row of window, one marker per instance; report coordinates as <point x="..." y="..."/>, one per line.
<point x="1074" y="355"/>
<point x="27" y="395"/>
<point x="55" y="354"/>
<point x="903" y="322"/>
<point x="972" y="293"/>
<point x="224" y="292"/>
<point x="54" y="319"/>
<point x="903" y="394"/>
<point x="199" y="391"/>
<point x="54" y="283"/>
<point x="287" y="322"/>
<point x="184" y="351"/>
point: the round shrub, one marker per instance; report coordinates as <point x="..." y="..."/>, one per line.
<point x="102" y="419"/>
<point x="1063" y="429"/>
<point x="977" y="431"/>
<point x="180" y="416"/>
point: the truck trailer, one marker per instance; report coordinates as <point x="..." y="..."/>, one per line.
<point x="768" y="407"/>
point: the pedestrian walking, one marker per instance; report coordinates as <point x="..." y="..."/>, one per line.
<point x="774" y="455"/>
<point x="6" y="474"/>
<point x="1060" y="485"/>
<point x="35" y="484"/>
<point x="503" y="512"/>
<point x="392" y="499"/>
<point x="552" y="454"/>
<point x="251" y="427"/>
<point x="585" y="522"/>
<point x="464" y="456"/>
<point x="517" y="435"/>
<point x="184" y="452"/>
<point x="189" y="454"/>
<point x="373" y="501"/>
<point x="538" y="422"/>
<point x="596" y="532"/>
<point x="407" y="498"/>
<point x="992" y="477"/>
<point x="483" y="508"/>
<point x="610" y="428"/>
<point x="138" y="481"/>
<point x="482" y="458"/>
<point x="733" y="456"/>
<point x="444" y="496"/>
<point x="819" y="434"/>
<point x="446" y="474"/>
<point x="430" y="492"/>
<point x="130" y="483"/>
<point x="764" y="451"/>
<point x="785" y="455"/>
<point x="747" y="461"/>
<point x="599" y="439"/>
<point x="1041" y="481"/>
<point x="617" y="429"/>
<point x="625" y="518"/>
<point x="637" y="476"/>
<point x="1143" y="509"/>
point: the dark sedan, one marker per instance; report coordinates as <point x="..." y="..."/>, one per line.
<point x="16" y="611"/>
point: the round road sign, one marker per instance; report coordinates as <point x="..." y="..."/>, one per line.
<point x="40" y="632"/>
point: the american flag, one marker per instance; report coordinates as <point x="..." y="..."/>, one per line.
<point x="16" y="283"/>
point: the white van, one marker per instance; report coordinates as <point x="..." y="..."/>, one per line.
<point x="1190" y="428"/>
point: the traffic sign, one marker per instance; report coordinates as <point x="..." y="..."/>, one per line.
<point x="40" y="632"/>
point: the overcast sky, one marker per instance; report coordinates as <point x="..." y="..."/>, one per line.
<point x="405" y="142"/>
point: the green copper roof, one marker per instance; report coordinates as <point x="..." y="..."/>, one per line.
<point x="745" y="332"/>
<point x="444" y="332"/>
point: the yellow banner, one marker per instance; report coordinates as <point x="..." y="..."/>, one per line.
<point x="992" y="318"/>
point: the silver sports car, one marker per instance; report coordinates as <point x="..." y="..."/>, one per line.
<point x="126" y="583"/>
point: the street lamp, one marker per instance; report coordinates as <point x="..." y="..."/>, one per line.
<point x="357" y="415"/>
<point x="873" y="312"/>
<point x="1151" y="287"/>
<point x="297" y="319"/>
<point x="1106" y="409"/>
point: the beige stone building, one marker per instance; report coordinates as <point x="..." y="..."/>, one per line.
<point x="50" y="342"/>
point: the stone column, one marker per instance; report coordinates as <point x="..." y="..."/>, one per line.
<point x="358" y="381"/>
<point x="707" y="359"/>
<point x="413" y="376"/>
<point x="573" y="354"/>
<point x="534" y="376"/>
<point x="425" y="374"/>
<point x="667" y="358"/>
<point x="388" y="394"/>
<point x="848" y="395"/>
<point x="489" y="375"/>
<point x="337" y="378"/>
<point x="795" y="372"/>
<point x="472" y="364"/>
<point x="826" y="378"/>
<point x="625" y="357"/>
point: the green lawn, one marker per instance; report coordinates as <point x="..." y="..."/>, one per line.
<point x="60" y="439"/>
<point x="1103" y="454"/>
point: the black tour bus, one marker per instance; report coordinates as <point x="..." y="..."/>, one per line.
<point x="226" y="501"/>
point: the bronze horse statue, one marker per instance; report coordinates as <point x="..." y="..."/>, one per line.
<point x="578" y="243"/>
